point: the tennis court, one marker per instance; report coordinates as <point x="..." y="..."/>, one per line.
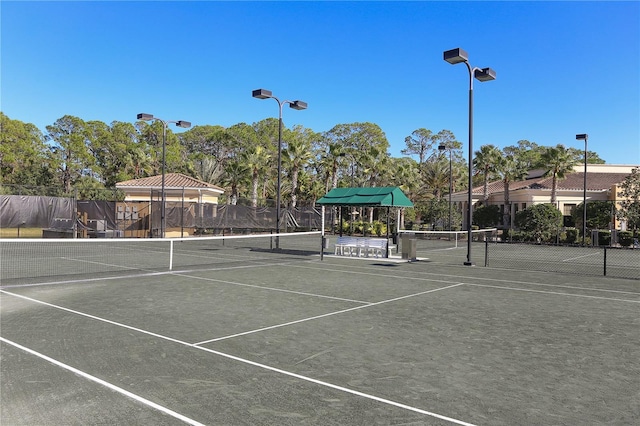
<point x="246" y="335"/>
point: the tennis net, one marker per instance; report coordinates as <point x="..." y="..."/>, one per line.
<point x="25" y="260"/>
<point x="434" y="240"/>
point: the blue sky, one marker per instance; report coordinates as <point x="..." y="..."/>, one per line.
<point x="562" y="67"/>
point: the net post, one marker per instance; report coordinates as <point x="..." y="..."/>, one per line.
<point x="171" y="255"/>
<point x="605" y="261"/>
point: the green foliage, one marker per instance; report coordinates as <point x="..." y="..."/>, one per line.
<point x="630" y="203"/>
<point x="436" y="212"/>
<point x="379" y="228"/>
<point x="604" y="237"/>
<point x="571" y="235"/>
<point x="25" y="159"/>
<point x="365" y="228"/>
<point x="625" y="238"/>
<point x="557" y="161"/>
<point x="528" y="153"/>
<point x="484" y="164"/>
<point x="599" y="214"/>
<point x="540" y="221"/>
<point x="486" y="216"/>
<point x="86" y="156"/>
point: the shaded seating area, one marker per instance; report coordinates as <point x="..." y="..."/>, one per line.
<point x="376" y="197"/>
<point x="361" y="246"/>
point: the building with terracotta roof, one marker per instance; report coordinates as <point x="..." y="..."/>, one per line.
<point x="178" y="187"/>
<point x="184" y="195"/>
<point x="603" y="182"/>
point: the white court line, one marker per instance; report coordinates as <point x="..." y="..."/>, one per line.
<point x="62" y="308"/>
<point x="106" y="384"/>
<point x="77" y="259"/>
<point x="327" y="315"/>
<point x="580" y="257"/>
<point x="301" y="293"/>
<point x="147" y="274"/>
<point x="468" y="277"/>
<point x="264" y="366"/>
<point x="377" y="274"/>
<point x="555" y="292"/>
<point x="85" y="280"/>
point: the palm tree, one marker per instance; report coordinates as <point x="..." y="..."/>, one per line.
<point x="557" y="161"/>
<point x="510" y="169"/>
<point x="296" y="156"/>
<point x="235" y="174"/>
<point x="256" y="159"/>
<point x="330" y="162"/>
<point x="405" y="174"/>
<point x="484" y="163"/>
<point x="435" y="177"/>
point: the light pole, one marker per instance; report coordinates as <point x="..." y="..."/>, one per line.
<point x="442" y="147"/>
<point x="584" y="137"/>
<point x="180" y="123"/>
<point x="456" y="56"/>
<point x="266" y="94"/>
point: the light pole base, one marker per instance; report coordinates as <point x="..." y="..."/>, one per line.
<point x="469" y="264"/>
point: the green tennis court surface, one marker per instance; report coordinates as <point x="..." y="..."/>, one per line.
<point x="274" y="338"/>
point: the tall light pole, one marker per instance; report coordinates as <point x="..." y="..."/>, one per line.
<point x="584" y="137"/>
<point x="442" y="147"/>
<point x="180" y="123"/>
<point x="456" y="56"/>
<point x="266" y="94"/>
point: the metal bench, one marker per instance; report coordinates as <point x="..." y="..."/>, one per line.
<point x="361" y="246"/>
<point x="375" y="246"/>
<point x="347" y="245"/>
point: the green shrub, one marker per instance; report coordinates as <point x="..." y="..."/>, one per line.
<point x="379" y="228"/>
<point x="604" y="237"/>
<point x="571" y="235"/>
<point x="625" y="238"/>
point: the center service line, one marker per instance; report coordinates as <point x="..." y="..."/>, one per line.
<point x="249" y="362"/>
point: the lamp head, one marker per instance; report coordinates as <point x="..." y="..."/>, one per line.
<point x="145" y="117"/>
<point x="441" y="147"/>
<point x="485" y="74"/>
<point x="456" y="56"/>
<point x="298" y="105"/>
<point x="183" y="124"/>
<point x="261" y="94"/>
<point x="582" y="137"/>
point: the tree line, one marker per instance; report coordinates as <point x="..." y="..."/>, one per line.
<point x="89" y="157"/>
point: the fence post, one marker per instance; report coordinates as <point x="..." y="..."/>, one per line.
<point x="486" y="252"/>
<point x="605" y="261"/>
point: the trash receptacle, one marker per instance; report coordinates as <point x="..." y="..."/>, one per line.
<point x="325" y="243"/>
<point x="409" y="246"/>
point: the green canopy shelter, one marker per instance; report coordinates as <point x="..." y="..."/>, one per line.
<point x="388" y="196"/>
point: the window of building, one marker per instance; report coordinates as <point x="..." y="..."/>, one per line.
<point x="567" y="209"/>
